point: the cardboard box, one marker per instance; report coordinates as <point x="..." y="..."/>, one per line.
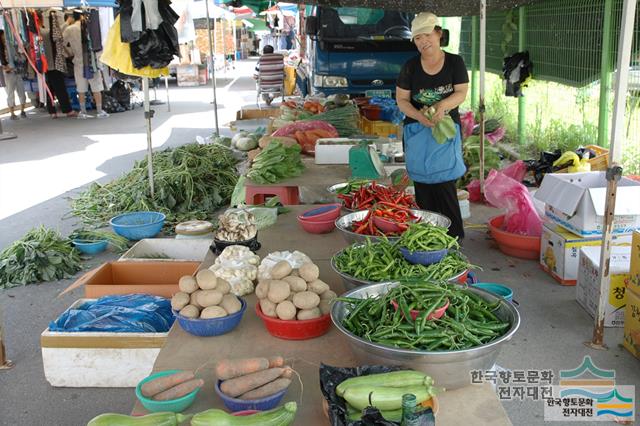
<point x="168" y="250"/>
<point x="98" y="359"/>
<point x="560" y="249"/>
<point x="334" y="150"/>
<point x="251" y="113"/>
<point x="632" y="323"/>
<point x="188" y="75"/>
<point x="634" y="279"/>
<point x="153" y="277"/>
<point x="588" y="285"/>
<point x="576" y="202"/>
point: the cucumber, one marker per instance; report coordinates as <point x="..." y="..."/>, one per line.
<point x="393" y="379"/>
<point x="384" y="397"/>
<point x="281" y="416"/>
<point x="164" y="418"/>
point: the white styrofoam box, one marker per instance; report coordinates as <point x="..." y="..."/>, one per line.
<point x="334" y="150"/>
<point x="560" y="249"/>
<point x="588" y="285"/>
<point x="168" y="249"/>
<point x="576" y="201"/>
<point x="98" y="359"/>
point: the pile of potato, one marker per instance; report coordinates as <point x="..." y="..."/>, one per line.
<point x="294" y="293"/>
<point x="205" y="296"/>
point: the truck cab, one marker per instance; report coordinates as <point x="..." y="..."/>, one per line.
<point x="357" y="51"/>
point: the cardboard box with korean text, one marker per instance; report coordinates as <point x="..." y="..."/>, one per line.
<point x="632" y="323"/>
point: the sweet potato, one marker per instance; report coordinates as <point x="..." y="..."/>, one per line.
<point x="161" y="384"/>
<point x="229" y="368"/>
<point x="241" y="385"/>
<point x="268" y="389"/>
<point x="180" y="390"/>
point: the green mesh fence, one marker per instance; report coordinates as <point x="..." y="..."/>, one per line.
<point x="564" y="40"/>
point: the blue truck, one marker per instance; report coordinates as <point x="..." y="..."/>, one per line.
<point x="357" y="51"/>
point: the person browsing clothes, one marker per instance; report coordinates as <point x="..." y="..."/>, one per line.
<point x="437" y="79"/>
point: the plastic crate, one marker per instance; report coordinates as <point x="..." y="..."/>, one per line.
<point x="380" y="128"/>
<point x="599" y="163"/>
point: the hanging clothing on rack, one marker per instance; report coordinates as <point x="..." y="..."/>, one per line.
<point x="51" y="33"/>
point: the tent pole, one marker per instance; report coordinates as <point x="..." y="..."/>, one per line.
<point x="213" y="66"/>
<point x="474" y="63"/>
<point x="522" y="117"/>
<point x="148" y="114"/>
<point x="166" y="85"/>
<point x="483" y="45"/>
<point x="605" y="74"/>
<point x="614" y="172"/>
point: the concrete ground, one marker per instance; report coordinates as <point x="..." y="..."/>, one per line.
<point x="53" y="160"/>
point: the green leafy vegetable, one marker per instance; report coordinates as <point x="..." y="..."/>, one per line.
<point x="118" y="242"/>
<point x="275" y="163"/>
<point x="41" y="255"/>
<point x="344" y="119"/>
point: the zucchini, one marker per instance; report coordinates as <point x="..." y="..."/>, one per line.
<point x="392" y="379"/>
<point x="282" y="416"/>
<point x="384" y="397"/>
<point x="164" y="418"/>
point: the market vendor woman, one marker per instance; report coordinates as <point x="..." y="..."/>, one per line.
<point x="435" y="79"/>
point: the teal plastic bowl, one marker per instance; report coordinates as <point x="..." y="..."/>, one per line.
<point x="497" y="289"/>
<point x="174" y="405"/>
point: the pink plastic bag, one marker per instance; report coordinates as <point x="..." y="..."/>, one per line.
<point x="515" y="171"/>
<point x="521" y="216"/>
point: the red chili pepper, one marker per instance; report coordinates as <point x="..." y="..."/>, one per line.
<point x="361" y="229"/>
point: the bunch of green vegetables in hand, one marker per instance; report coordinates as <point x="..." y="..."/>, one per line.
<point x="275" y="163"/>
<point x="444" y="129"/>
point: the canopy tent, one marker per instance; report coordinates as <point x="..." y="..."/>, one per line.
<point x="198" y="10"/>
<point x="243" y="12"/>
<point x="256" y="25"/>
<point x="286" y="9"/>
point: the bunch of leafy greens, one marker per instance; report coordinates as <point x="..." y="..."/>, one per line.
<point x="275" y="163"/>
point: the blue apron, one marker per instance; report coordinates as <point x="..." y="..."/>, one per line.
<point x="427" y="160"/>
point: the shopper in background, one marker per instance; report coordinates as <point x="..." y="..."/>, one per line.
<point x="51" y="33"/>
<point x="435" y="79"/>
<point x="13" y="82"/>
<point x="85" y="67"/>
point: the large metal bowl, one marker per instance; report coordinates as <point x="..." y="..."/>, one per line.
<point x="351" y="282"/>
<point x="333" y="189"/>
<point x="450" y="369"/>
<point x="343" y="224"/>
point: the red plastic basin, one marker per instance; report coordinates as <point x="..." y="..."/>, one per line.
<point x="317" y="227"/>
<point x="294" y="329"/>
<point x="321" y="213"/>
<point x="515" y="245"/>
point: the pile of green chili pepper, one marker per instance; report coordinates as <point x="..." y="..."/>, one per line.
<point x="469" y="321"/>
<point x="382" y="261"/>
<point x="425" y="236"/>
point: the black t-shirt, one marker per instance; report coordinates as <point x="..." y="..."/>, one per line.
<point x="432" y="88"/>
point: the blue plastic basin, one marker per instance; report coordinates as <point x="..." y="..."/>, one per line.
<point x="423" y="257"/>
<point x="174" y="405"/>
<point x="138" y="225"/>
<point x="497" y="289"/>
<point x="262" y="404"/>
<point x="90" y="247"/>
<point x="211" y="326"/>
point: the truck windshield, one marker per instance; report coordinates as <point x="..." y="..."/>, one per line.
<point x="350" y="23"/>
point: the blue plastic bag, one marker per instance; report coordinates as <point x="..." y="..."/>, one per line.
<point x="123" y="313"/>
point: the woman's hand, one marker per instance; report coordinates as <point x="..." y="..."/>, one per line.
<point x="439" y="114"/>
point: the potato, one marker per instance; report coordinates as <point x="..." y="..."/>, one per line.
<point x="268" y="307"/>
<point x="213" y="312"/>
<point x="325" y="306"/>
<point x="294" y="273"/>
<point x="223" y="286"/>
<point x="278" y="291"/>
<point x="194" y="299"/>
<point x="307" y="314"/>
<point x="179" y="300"/>
<point x="306" y="300"/>
<point x="290" y="297"/>
<point x="262" y="289"/>
<point x="188" y="284"/>
<point x="208" y="298"/>
<point x="328" y="295"/>
<point x="286" y="310"/>
<point x="296" y="284"/>
<point x="206" y="279"/>
<point x="280" y="270"/>
<point x="309" y="272"/>
<point x="231" y="303"/>
<point x="318" y="286"/>
<point x="190" y="311"/>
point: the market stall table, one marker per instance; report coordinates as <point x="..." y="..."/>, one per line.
<point x="472" y="405"/>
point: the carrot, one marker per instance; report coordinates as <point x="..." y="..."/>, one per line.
<point x="230" y="368"/>
<point x="179" y="391"/>
<point x="268" y="389"/>
<point x="240" y="385"/>
<point x="276" y="361"/>
<point x="155" y="386"/>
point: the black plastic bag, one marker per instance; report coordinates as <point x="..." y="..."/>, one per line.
<point x="155" y="48"/>
<point x="331" y="377"/>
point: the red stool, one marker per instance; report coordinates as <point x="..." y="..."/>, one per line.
<point x="256" y="194"/>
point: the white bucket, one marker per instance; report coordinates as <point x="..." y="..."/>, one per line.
<point x="465" y="208"/>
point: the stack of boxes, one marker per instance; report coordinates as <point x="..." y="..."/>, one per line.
<point x="632" y="310"/>
<point x="571" y="239"/>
